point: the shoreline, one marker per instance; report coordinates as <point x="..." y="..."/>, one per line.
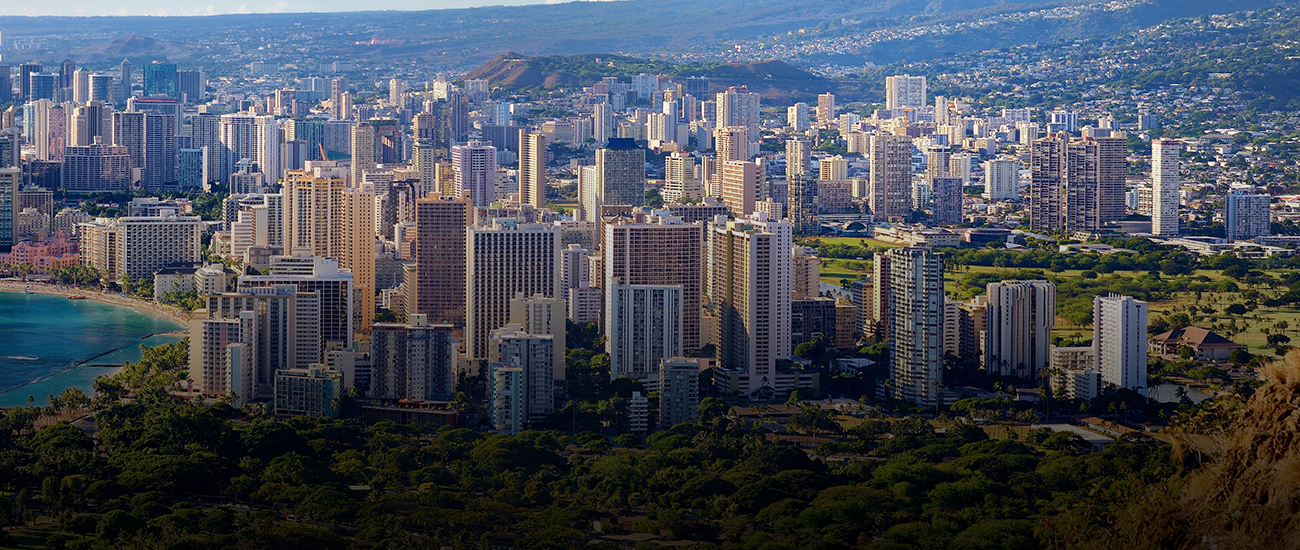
<point x="148" y="308"/>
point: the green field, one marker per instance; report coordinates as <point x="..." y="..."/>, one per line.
<point x="852" y="241"/>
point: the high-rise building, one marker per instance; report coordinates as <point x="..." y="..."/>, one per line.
<point x="329" y="219"/>
<point x="313" y="392"/>
<point x="834" y="168"/>
<point x="741" y="186"/>
<point x="439" y="289"/>
<point x="643" y="326"/>
<point x="81" y="86"/>
<point x="731" y="143"/>
<point x="6" y="84"/>
<point x="1047" y="165"/>
<point x="223" y="355"/>
<point x="749" y="280"/>
<point x="891" y="176"/>
<point x="680" y="182"/>
<point x="190" y="86"/>
<point x="807" y="273"/>
<point x="532" y="169"/>
<point x="363" y="151"/>
<point x="602" y="122"/>
<point x="679" y="391"/>
<point x="1246" y="216"/>
<point x="159" y="152"/>
<point x="1021" y="315"/>
<point x="321" y="277"/>
<point x="502" y="260"/>
<point x="574" y="268"/>
<point x="96" y="168"/>
<point x="946" y="197"/>
<point x="1001" y="179"/>
<point x="1164" y="186"/>
<point x="1119" y="340"/>
<point x="801" y="199"/>
<point x="9" y="180"/>
<point x="798" y="155"/>
<point x="904" y="91"/>
<point x="620" y="169"/>
<point x="826" y="111"/>
<point x="286" y="333"/>
<point x="523" y="388"/>
<point x="916" y="313"/>
<point x="413" y="361"/>
<point x="657" y="249"/>
<point x="160" y="79"/>
<point x="1076" y="185"/>
<point x="252" y="137"/>
<point x="145" y="244"/>
<point x="738" y="107"/>
<point x="797" y="117"/>
<point x="25" y="72"/>
<point x="475" y="165"/>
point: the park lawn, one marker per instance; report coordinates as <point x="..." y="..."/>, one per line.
<point x="562" y="207"/>
<point x="854" y="241"/>
<point x="30" y="538"/>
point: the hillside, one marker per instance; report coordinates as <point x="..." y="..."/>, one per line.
<point x="137" y="48"/>
<point x="773" y="78"/>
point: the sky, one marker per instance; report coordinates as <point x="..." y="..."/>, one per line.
<point x="210" y="7"/>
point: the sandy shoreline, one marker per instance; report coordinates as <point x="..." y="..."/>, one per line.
<point x="148" y="308"/>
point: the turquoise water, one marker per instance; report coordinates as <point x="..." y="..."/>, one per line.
<point x="43" y="337"/>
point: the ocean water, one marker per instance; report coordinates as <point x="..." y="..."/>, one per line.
<point x="43" y="337"/>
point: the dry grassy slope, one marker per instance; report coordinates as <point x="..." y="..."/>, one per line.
<point x="1250" y="497"/>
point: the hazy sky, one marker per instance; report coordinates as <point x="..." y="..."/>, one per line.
<point x="205" y="7"/>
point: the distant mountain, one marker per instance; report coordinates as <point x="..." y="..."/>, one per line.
<point x="773" y="78"/>
<point x="853" y="33"/>
<point x="137" y="48"/>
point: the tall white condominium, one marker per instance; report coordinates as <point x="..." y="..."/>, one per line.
<point x="1001" y="179"/>
<point x="331" y="220"/>
<point x="532" y="168"/>
<point x="1119" y="340"/>
<point x="826" y="111"/>
<point x="504" y="259"/>
<point x="891" y="176"/>
<point x="807" y="273"/>
<point x="602" y="126"/>
<point x="643" y="327"/>
<point x="797" y="116"/>
<point x="749" y="278"/>
<point x="904" y="91"/>
<point x="575" y="269"/>
<point x="798" y="155"/>
<point x="475" y="167"/>
<point x="287" y="330"/>
<point x="322" y="276"/>
<point x="731" y="143"/>
<point x="223" y="357"/>
<point x="1021" y="315"/>
<point x="523" y="389"/>
<point x="738" y="107"/>
<point x="679" y="391"/>
<point x="916" y="323"/>
<point x="252" y="137"/>
<point x="1164" y="186"/>
<point x="542" y="316"/>
<point x="680" y="183"/>
<point x="1246" y="215"/>
<point x="656" y="249"/>
<point x="413" y="361"/>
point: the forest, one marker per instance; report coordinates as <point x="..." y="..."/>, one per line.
<point x="152" y="471"/>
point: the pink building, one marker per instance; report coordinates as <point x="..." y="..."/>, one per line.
<point x="45" y="254"/>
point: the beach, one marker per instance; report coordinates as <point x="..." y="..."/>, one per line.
<point x="147" y="307"/>
<point x="52" y="343"/>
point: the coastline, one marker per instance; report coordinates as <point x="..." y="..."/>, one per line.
<point x="148" y="308"/>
